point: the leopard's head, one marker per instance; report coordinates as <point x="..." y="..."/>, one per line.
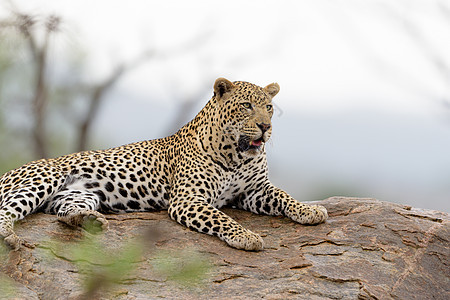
<point x="245" y="111"/>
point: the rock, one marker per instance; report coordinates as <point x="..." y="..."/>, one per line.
<point x="368" y="249"/>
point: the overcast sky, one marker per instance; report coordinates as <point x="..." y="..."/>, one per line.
<point x="326" y="55"/>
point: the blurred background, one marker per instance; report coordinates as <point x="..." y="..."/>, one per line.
<point x="364" y="107"/>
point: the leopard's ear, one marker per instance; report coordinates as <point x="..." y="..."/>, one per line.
<point x="222" y="87"/>
<point x="272" y="89"/>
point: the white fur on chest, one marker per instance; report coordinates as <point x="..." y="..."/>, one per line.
<point x="231" y="188"/>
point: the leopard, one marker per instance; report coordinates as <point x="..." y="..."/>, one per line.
<point x="217" y="159"/>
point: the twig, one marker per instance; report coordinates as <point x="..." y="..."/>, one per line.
<point x="98" y="93"/>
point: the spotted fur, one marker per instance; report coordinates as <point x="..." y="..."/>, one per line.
<point x="216" y="159"/>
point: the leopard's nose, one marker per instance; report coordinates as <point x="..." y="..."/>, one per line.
<point x="263" y="126"/>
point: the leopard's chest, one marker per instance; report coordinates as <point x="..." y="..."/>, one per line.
<point x="231" y="187"/>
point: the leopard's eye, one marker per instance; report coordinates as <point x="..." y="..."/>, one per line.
<point x="269" y="107"/>
<point x="247" y="105"/>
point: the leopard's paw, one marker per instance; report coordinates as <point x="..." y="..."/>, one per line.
<point x="321" y="213"/>
<point x="13" y="242"/>
<point x="307" y="214"/>
<point x="90" y="220"/>
<point x="94" y="222"/>
<point x="246" y="240"/>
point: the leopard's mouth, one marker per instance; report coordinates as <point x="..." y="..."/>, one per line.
<point x="245" y="143"/>
<point x="256" y="143"/>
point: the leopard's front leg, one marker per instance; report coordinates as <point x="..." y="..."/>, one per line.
<point x="195" y="213"/>
<point x="271" y="200"/>
<point x="305" y="214"/>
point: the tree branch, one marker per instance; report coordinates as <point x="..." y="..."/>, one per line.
<point x="39" y="101"/>
<point x="97" y="96"/>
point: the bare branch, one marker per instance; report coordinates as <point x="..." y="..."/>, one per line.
<point x="25" y="24"/>
<point x="98" y="93"/>
<point x="40" y="99"/>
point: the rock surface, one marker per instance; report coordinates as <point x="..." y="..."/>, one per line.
<point x="368" y="249"/>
